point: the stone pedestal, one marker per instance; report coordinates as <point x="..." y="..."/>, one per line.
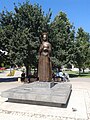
<point x="42" y="93"/>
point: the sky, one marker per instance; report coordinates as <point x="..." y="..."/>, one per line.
<point x="77" y="11"/>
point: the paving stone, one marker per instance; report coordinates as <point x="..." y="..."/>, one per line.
<point x="79" y="99"/>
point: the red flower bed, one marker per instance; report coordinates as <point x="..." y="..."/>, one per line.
<point x="2" y="68"/>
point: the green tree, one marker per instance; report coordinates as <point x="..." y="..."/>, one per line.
<point x="6" y="34"/>
<point x="62" y="39"/>
<point x="87" y="63"/>
<point x="22" y="31"/>
<point x="81" y="49"/>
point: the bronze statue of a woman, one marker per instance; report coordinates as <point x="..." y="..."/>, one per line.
<point x="44" y="64"/>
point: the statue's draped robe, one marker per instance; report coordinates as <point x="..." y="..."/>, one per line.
<point x="44" y="65"/>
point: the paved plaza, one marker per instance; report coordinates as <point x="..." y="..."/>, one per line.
<point x="78" y="107"/>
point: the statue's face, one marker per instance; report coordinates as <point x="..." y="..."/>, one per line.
<point x="44" y="37"/>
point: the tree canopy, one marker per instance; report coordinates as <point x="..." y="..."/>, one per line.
<point x="62" y="33"/>
<point x="20" y="36"/>
<point x="82" y="47"/>
<point x="21" y="32"/>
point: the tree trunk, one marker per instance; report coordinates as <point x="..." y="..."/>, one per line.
<point x="27" y="70"/>
<point x="79" y="70"/>
<point x="83" y="70"/>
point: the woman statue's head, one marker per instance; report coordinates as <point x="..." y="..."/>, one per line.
<point x="44" y="35"/>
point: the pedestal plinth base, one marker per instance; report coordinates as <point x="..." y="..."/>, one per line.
<point x="41" y="93"/>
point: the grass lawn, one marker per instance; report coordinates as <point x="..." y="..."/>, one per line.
<point x="76" y="74"/>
